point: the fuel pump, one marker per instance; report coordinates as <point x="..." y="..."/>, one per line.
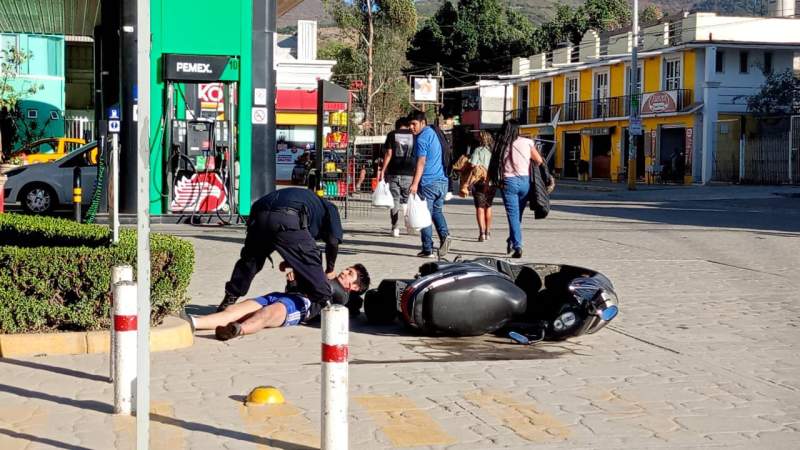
<point x="200" y="143"/>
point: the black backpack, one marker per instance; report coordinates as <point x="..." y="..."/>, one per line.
<point x="447" y="148"/>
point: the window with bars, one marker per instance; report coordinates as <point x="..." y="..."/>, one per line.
<point x="573" y="96"/>
<point x="674" y="33"/>
<point x="672" y="74"/>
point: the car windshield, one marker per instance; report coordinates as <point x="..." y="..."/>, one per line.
<point x="82" y="148"/>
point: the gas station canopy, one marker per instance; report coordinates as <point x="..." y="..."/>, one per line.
<point x="67" y="17"/>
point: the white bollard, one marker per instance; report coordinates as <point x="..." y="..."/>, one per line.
<point x="124" y="350"/>
<point x="335" y="327"/>
<point x="118" y="273"/>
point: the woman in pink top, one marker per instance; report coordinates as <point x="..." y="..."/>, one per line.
<point x="517" y="155"/>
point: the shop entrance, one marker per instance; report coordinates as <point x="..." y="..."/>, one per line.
<point x="673" y="154"/>
<point x="639" y="154"/>
<point x="601" y="156"/>
<point x="572" y="154"/>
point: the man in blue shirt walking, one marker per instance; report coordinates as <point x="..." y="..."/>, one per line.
<point x="429" y="182"/>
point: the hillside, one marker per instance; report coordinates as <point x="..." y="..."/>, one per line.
<point x="537" y="10"/>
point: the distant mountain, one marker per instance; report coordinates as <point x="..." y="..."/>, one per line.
<point x="537" y="10"/>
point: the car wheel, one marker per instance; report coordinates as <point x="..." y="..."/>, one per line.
<point x="38" y="199"/>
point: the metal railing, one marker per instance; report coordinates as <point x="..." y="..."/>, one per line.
<point x="79" y="128"/>
<point x="604" y="108"/>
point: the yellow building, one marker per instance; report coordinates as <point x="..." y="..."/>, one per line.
<point x="692" y="68"/>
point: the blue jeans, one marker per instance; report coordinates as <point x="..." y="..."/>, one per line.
<point x="434" y="194"/>
<point x="515" y="199"/>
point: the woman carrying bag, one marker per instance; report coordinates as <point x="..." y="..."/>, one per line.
<point x="483" y="190"/>
<point x="510" y="169"/>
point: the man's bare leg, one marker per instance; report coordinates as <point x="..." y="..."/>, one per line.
<point x="232" y="314"/>
<point x="271" y="316"/>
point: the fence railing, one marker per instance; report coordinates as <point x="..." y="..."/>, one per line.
<point x="602" y="108"/>
<point x="79" y="127"/>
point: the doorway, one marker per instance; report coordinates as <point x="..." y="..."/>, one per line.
<point x="601" y="156"/>
<point x="572" y="154"/>
<point x="673" y="154"/>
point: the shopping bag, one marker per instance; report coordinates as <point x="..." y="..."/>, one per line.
<point x="418" y="215"/>
<point x="382" y="197"/>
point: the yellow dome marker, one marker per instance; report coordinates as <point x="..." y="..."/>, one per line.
<point x="265" y="395"/>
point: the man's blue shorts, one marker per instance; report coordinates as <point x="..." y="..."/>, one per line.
<point x="296" y="306"/>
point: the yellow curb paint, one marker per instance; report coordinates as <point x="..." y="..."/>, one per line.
<point x="173" y="334"/>
<point x="283" y="423"/>
<point x="162" y="436"/>
<point x="403" y="422"/>
<point x="12" y="345"/>
<point x="19" y="421"/>
<point x="97" y="342"/>
<point x="523" y="419"/>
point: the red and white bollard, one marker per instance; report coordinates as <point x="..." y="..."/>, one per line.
<point x="335" y="327"/>
<point x="118" y="273"/>
<point x="124" y="350"/>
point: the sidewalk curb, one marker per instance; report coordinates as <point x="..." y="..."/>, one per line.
<point x="173" y="334"/>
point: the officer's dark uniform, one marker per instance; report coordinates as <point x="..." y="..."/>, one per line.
<point x="289" y="221"/>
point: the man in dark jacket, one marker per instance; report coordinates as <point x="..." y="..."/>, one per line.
<point x="289" y="221"/>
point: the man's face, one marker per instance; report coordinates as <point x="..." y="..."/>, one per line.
<point x="348" y="278"/>
<point x="417" y="126"/>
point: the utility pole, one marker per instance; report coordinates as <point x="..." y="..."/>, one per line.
<point x="438" y="74"/>
<point x="634" y="121"/>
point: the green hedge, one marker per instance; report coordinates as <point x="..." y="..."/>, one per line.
<point x="66" y="288"/>
<point x="37" y="231"/>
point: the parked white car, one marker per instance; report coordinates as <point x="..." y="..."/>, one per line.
<point x="41" y="188"/>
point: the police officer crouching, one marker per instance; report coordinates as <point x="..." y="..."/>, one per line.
<point x="290" y="221"/>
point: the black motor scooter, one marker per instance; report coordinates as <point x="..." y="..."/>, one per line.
<point x="469" y="298"/>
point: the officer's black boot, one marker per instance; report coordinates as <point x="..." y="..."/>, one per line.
<point x="227" y="301"/>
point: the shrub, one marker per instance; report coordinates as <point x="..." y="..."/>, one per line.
<point x="36" y="231"/>
<point x="66" y="288"/>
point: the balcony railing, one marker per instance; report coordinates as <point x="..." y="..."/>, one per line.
<point x="599" y="109"/>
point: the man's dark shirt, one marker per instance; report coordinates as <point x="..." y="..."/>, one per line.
<point x="402" y="144"/>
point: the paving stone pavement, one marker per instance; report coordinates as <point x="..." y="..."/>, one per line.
<point x="703" y="355"/>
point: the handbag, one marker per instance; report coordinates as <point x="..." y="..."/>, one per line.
<point x="540" y="196"/>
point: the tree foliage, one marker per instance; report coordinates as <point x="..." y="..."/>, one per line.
<point x="652" y="13"/>
<point x="780" y="94"/>
<point x="470" y="37"/>
<point x="11" y="93"/>
<point x="382" y="30"/>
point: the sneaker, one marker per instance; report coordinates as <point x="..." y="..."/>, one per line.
<point x="517" y="253"/>
<point x="396" y="232"/>
<point x="448" y="196"/>
<point x="444" y="247"/>
<point x="481" y="237"/>
<point x="488" y="235"/>
<point x="425" y="254"/>
<point x="229" y="331"/>
<point x="185" y="316"/>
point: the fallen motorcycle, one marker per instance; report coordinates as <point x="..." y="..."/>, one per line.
<point x="529" y="302"/>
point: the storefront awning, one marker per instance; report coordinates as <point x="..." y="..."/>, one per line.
<point x="66" y="17"/>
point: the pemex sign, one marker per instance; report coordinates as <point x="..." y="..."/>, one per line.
<point x="660" y="102"/>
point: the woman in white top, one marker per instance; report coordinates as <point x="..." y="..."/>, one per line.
<point x="517" y="155"/>
<point x="483" y="191"/>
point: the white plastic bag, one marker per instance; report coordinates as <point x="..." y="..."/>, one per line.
<point x="382" y="197"/>
<point x="418" y="215"/>
<point x="409" y="229"/>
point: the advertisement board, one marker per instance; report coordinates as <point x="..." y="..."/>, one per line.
<point x="659" y="102"/>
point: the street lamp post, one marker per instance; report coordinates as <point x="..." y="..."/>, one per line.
<point x="634" y="122"/>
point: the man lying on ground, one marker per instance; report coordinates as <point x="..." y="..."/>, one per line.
<point x="280" y="309"/>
